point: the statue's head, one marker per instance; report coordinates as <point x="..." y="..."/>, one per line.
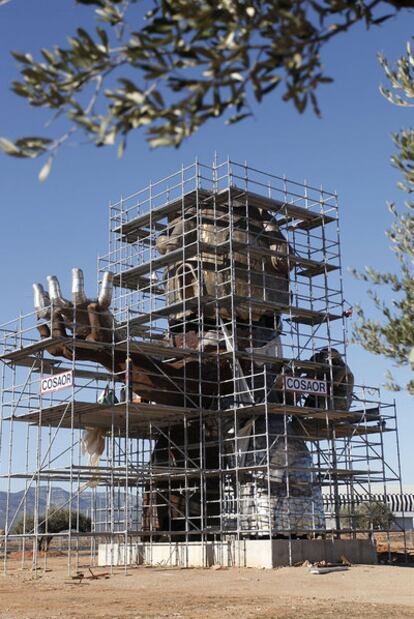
<point x="225" y="254"/>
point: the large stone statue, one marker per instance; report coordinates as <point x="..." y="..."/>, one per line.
<point x="237" y="262"/>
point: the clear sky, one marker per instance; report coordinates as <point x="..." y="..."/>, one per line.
<point x="51" y="227"/>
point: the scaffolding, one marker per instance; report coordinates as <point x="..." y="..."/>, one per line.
<point x="218" y="403"/>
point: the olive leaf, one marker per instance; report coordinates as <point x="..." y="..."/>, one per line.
<point x="45" y="171"/>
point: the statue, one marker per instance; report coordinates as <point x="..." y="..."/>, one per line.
<point x="213" y="238"/>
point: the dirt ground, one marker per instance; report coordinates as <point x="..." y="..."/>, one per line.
<point x="148" y="593"/>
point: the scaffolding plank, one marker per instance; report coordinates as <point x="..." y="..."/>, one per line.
<point x="167" y="310"/>
<point x="305" y="266"/>
<point x="145" y="475"/>
<point x="130" y="230"/>
<point x="37" y="364"/>
<point x="25" y="353"/>
<point x="131" y="277"/>
<point x="330" y="415"/>
<point x="312" y="268"/>
<point x="317" y="430"/>
<point x="136" y="417"/>
<point x="30" y="349"/>
<point x="307" y="218"/>
<point x="149" y="286"/>
<point x="56" y="365"/>
<point x="257" y="356"/>
<point x="312" y="318"/>
<point x="151" y="348"/>
<point x="137" y="276"/>
<point x="297" y="314"/>
<point x="303" y="219"/>
<point x="315" y="222"/>
<point x="23" y="357"/>
<point x="341" y="431"/>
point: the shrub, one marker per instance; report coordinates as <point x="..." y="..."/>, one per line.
<point x="55" y="520"/>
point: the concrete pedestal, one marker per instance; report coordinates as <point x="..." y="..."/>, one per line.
<point x="243" y="553"/>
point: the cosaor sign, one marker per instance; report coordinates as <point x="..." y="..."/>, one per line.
<point x="48" y="384"/>
<point x="305" y="385"/>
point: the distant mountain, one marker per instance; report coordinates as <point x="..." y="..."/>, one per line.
<point x="87" y="502"/>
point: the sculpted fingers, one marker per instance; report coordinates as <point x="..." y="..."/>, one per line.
<point x="78" y="287"/>
<point x="84" y="317"/>
<point x="100" y="318"/>
<point x="41" y="301"/>
<point x="105" y="295"/>
<point x="55" y="293"/>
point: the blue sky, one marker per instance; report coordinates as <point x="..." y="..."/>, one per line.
<point x="61" y="223"/>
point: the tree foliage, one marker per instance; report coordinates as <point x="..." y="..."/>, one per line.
<point x="392" y="335"/>
<point x="368" y="515"/>
<point x="55" y="520"/>
<point x="168" y="66"/>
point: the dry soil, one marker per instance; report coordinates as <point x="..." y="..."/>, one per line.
<point x="361" y="592"/>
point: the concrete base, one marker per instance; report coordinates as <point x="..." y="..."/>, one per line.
<point x="243" y="553"/>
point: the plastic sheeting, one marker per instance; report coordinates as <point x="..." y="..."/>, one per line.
<point x="284" y="497"/>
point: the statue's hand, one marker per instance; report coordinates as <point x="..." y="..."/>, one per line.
<point x="88" y="319"/>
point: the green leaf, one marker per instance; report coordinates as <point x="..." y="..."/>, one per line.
<point x="45" y="171"/>
<point x="136" y="97"/>
<point x="9" y="148"/>
<point x="25" y="58"/>
<point x="33" y="142"/>
<point x="237" y="118"/>
<point x="157" y="142"/>
<point x="103" y="36"/>
<point x="121" y="148"/>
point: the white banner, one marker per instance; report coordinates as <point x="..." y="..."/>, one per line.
<point x="48" y="384"/>
<point x="305" y="385"/>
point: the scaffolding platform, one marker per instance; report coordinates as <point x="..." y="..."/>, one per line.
<point x="133" y="277"/>
<point x="306" y="218"/>
<point x="135" y="419"/>
<point x="125" y="419"/>
<point x="296" y="314"/>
